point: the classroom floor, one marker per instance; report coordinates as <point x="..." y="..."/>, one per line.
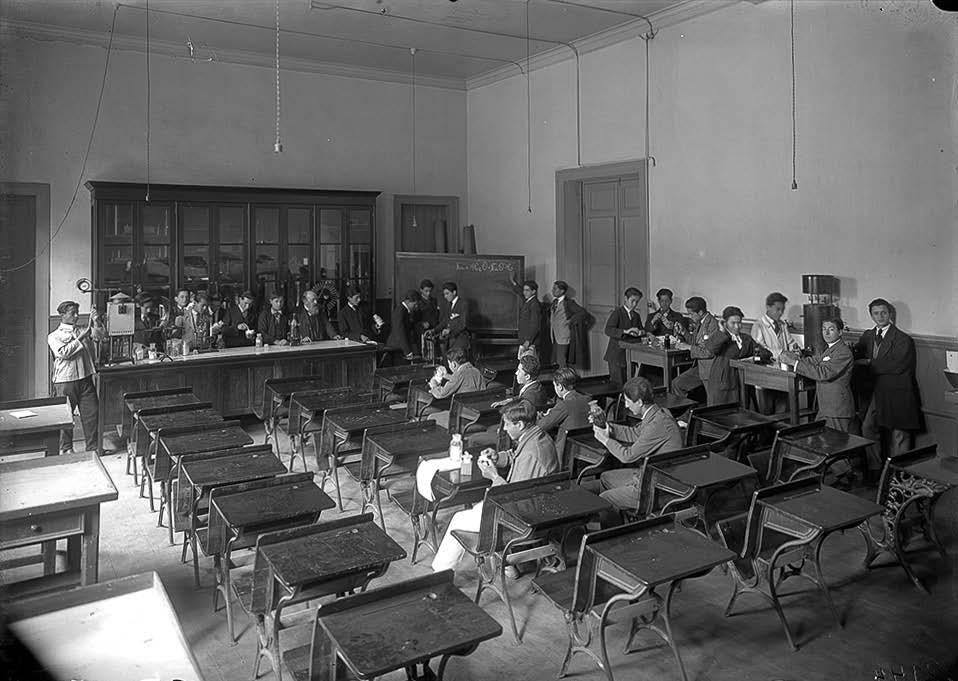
<point x="887" y="621"/>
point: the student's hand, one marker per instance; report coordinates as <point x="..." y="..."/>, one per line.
<point x="487" y="468"/>
<point x="444" y="334"/>
<point x="603" y="435"/>
<point x="337" y="337"/>
<point x="364" y="338"/>
<point x="788" y="357"/>
<point x="666" y="322"/>
<point x="178" y="322"/>
<point x="242" y="326"/>
<point x="306" y="339"/>
<point x="281" y="341"/>
<point x="425" y="326"/>
<point x="411" y="355"/>
<point x="489" y="454"/>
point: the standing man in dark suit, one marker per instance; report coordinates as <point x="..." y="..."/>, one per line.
<point x="566" y="316"/>
<point x="705" y="327"/>
<point x="452" y="324"/>
<point x="530" y="316"/>
<point x="624" y="322"/>
<point x="427" y="312"/>
<point x="239" y="322"/>
<point x="894" y="412"/>
<point x="831" y="369"/>
<point x="402" y="333"/>
<point x="730" y="343"/>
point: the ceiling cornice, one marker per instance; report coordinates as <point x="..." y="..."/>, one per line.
<point x="672" y="15"/>
<point x="173" y="50"/>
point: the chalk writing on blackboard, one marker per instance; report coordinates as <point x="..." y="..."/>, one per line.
<point x="486" y="266"/>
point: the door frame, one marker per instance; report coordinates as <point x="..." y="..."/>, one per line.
<point x="41" y="323"/>
<point x="451" y="203"/>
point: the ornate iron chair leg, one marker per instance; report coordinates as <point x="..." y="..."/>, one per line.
<point x="820" y="580"/>
<point x="778" y="608"/>
<point x="667" y="616"/>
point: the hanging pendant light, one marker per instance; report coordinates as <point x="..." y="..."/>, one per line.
<point x="412" y="52"/>
<point x="277" y="143"/>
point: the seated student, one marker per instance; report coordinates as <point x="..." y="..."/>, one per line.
<point x="658" y="432"/>
<point x="624" y="322"/>
<point x="831" y="369"/>
<point x="273" y="322"/>
<point x="530" y="315"/>
<point x="147" y="328"/>
<point x="199" y="329"/>
<point x="353" y="320"/>
<point x="402" y="332"/>
<point x="571" y="409"/>
<point x="239" y="322"/>
<point x="313" y="323"/>
<point x="730" y="343"/>
<point x="452" y="321"/>
<point x="533" y="456"/>
<point x="527" y="378"/>
<point x="705" y="326"/>
<point x="665" y="321"/>
<point x="771" y="332"/>
<point x="464" y="377"/>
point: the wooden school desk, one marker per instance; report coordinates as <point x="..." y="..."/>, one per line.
<point x="39" y="433"/>
<point x="669" y="361"/>
<point x="397" y="379"/>
<point x="773" y="377"/>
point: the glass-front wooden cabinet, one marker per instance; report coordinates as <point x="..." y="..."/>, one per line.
<point x="224" y="240"/>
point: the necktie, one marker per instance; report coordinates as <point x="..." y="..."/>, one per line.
<point x="777" y="326"/>
<point x="878" y="336"/>
<point x="555" y="304"/>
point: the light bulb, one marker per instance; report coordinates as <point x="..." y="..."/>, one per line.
<point x="278" y="147"/>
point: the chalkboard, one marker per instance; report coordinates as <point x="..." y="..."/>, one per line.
<point x="484" y="283"/>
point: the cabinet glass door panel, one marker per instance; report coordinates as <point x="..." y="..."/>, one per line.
<point x="330" y="226"/>
<point x="298" y="260"/>
<point x="196" y="264"/>
<point x="329" y="262"/>
<point x="299" y="225"/>
<point x="266" y="226"/>
<point x="156" y="264"/>
<point x="195" y="224"/>
<point x="156" y="224"/>
<point x="360" y="231"/>
<point x="232" y="224"/>
<point x="117" y="221"/>
<point x="360" y="261"/>
<point x="231" y="264"/>
<point x="117" y="265"/>
<point x="267" y="262"/>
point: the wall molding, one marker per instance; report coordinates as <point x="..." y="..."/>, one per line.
<point x="10" y="28"/>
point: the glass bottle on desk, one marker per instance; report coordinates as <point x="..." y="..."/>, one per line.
<point x="455" y="448"/>
<point x="293" y="336"/>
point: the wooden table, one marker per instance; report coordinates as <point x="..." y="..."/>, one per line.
<point x="43" y="500"/>
<point x="150" y="423"/>
<point x="198" y="477"/>
<point x="696" y="478"/>
<point x="670" y="360"/>
<point x="467" y="409"/>
<point x="119" y="630"/>
<point x="771" y="377"/>
<point x="138" y="439"/>
<point x="397" y="379"/>
<point x="40" y="433"/>
<point x="418" y="398"/>
<point x="720" y="421"/>
<point x="599" y="388"/>
<point x="665" y="556"/>
<point x="411" y="622"/>
<point x="583" y="447"/>
<point x="542" y="508"/>
<point x="816" y="446"/>
<point x="674" y="404"/>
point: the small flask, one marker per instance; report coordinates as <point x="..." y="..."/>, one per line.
<point x="259" y="341"/>
<point x="596" y="414"/>
<point x="666" y="342"/>
<point x="294" y="336"/>
<point x="455" y="448"/>
<point x="465" y="466"/>
<point x="152" y="352"/>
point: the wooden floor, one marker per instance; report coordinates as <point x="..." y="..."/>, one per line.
<point x="887" y="621"/>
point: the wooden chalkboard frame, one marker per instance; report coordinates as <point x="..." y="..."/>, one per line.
<point x="403" y="259"/>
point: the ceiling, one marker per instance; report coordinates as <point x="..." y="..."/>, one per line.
<point x="453" y="40"/>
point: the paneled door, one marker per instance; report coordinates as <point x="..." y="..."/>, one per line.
<point x="17" y="296"/>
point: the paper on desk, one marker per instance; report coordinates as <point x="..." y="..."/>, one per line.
<point x="951" y="357"/>
<point x="427" y="469"/>
<point x="22" y="413"/>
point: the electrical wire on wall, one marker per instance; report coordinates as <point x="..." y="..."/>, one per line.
<point x="86" y="156"/>
<point x="278" y="142"/>
<point x="794" y="123"/>
<point x="148" y="100"/>
<point x="528" y="110"/>
<point x="412" y="54"/>
<point x="649" y="158"/>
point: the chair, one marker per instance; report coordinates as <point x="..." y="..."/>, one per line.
<point x="269" y="615"/>
<point x="590" y="604"/>
<point x="219" y="541"/>
<point x="492" y="557"/>
<point x="767" y="557"/>
<point x="909" y="501"/>
<point x="187" y="509"/>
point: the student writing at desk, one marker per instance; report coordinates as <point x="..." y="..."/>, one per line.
<point x="831" y="369"/>
<point x="533" y="456"/>
<point x="273" y="322"/>
<point x="402" y="332"/>
<point x="705" y="326"/>
<point x="663" y="320"/>
<point x="73" y="370"/>
<point x="530" y="315"/>
<point x="728" y="344"/>
<point x="657" y="432"/>
<point x="313" y="323"/>
<point x="571" y="409"/>
<point x="624" y="322"/>
<point x="772" y="333"/>
<point x="239" y="322"/>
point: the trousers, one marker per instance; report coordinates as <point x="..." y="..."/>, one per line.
<point x="450" y="551"/>
<point x="82" y="397"/>
<point x="890" y="440"/>
<point x="560" y="354"/>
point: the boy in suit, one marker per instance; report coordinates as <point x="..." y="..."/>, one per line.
<point x="273" y="322"/>
<point x="624" y="322"/>
<point x="427" y="313"/>
<point x="658" y="432"/>
<point x="728" y="344"/>
<point x="402" y="333"/>
<point x="894" y="411"/>
<point x="665" y="320"/>
<point x="199" y="329"/>
<point x="527" y="378"/>
<point x="353" y="321"/>
<point x="530" y="315"/>
<point x="771" y="332"/>
<point x="464" y="377"/>
<point x="571" y="409"/>
<point x="239" y="322"/>
<point x="705" y="326"/>
<point x="566" y="314"/>
<point x="452" y="324"/>
<point x="831" y="369"/>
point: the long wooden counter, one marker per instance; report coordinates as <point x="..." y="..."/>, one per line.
<point x="232" y="379"/>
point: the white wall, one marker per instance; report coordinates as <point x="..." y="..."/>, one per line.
<point x="213" y="124"/>
<point x="876" y="203"/>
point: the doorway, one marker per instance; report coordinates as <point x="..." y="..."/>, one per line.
<point x="24" y="290"/>
<point x="426" y="224"/>
<point x="602" y="241"/>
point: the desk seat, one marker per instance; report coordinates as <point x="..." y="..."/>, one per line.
<point x="559" y="588"/>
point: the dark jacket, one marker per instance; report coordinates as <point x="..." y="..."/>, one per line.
<point x="723" y="377"/>
<point x="832" y="371"/>
<point x="272" y="328"/>
<point x="891" y="378"/>
<point x="569" y="413"/>
<point x="620" y="320"/>
<point x="315" y="327"/>
<point x="530" y="319"/>
<point x="353" y="323"/>
<point x="657" y="328"/>
<point x="534" y="393"/>
<point x="699" y="341"/>
<point x="579" y="321"/>
<point x="232" y="336"/>
<point x="402" y="332"/>
<point x="454" y="317"/>
<point x="427" y="314"/>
